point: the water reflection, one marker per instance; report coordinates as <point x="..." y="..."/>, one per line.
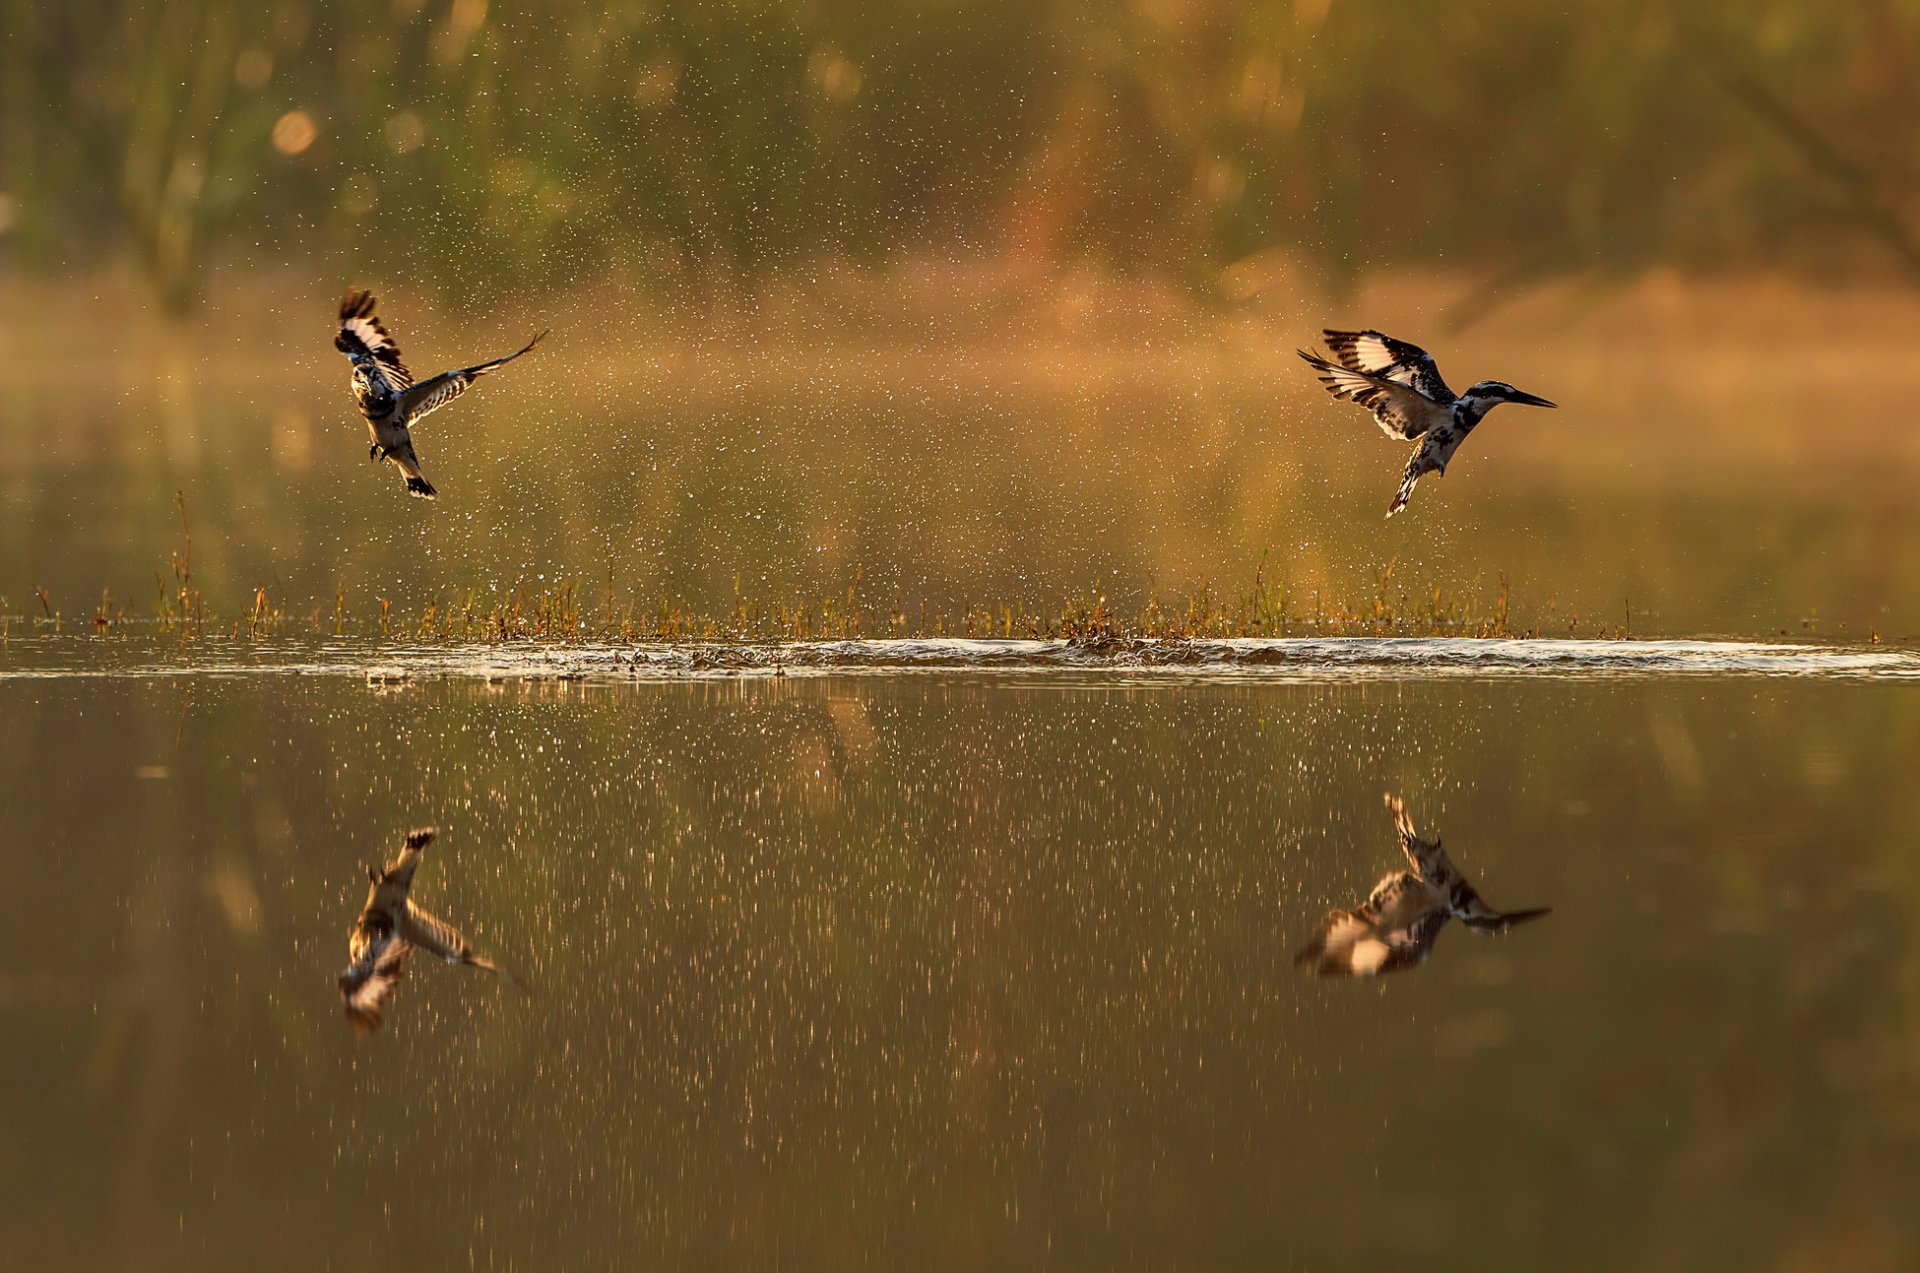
<point x="390" y="927"/>
<point x="1402" y="917"/>
<point x="964" y="971"/>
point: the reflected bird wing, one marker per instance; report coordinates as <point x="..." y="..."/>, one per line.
<point x="1354" y="944"/>
<point x="1401" y="410"/>
<point x="430" y="395"/>
<point x="363" y="336"/>
<point x="437" y="937"/>
<point x="1379" y="354"/>
<point x="1482" y="918"/>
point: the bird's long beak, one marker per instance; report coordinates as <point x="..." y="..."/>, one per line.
<point x="1531" y="400"/>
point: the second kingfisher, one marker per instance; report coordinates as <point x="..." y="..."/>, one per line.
<point x="1400" y="384"/>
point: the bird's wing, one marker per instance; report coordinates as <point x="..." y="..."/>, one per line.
<point x="366" y="987"/>
<point x="1350" y="944"/>
<point x="1329" y="950"/>
<point x="1468" y="907"/>
<point x="431" y="395"/>
<point x="362" y="335"/>
<point x="1401" y="410"/>
<point x="1412" y="944"/>
<point x="437" y="937"/>
<point x="1382" y="355"/>
<point x="434" y="934"/>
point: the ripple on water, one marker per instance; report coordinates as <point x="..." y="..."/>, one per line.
<point x="1279" y="658"/>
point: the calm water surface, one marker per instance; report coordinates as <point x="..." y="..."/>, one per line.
<point x="959" y="969"/>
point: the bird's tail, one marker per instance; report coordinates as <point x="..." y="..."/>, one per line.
<point x="1407" y="482"/>
<point x="401" y="872"/>
<point x="1402" y="821"/>
<point x="401" y="456"/>
<point x="1426" y="857"/>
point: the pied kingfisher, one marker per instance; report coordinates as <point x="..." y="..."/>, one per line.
<point x="1401" y="385"/>
<point x="383" y="388"/>
<point x="1396" y="926"/>
<point x="389" y="928"/>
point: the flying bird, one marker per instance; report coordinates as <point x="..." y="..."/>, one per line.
<point x="1401" y="385"/>
<point x="384" y="391"/>
<point x="390" y="927"/>
<point x="1398" y="923"/>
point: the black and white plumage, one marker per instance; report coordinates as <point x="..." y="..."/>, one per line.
<point x="1402" y="917"/>
<point x="384" y="391"/>
<point x="1402" y="386"/>
<point x="389" y="929"/>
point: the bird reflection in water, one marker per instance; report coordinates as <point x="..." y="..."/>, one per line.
<point x="1398" y="923"/>
<point x="389" y="928"/>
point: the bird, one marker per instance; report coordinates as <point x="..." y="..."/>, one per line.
<point x="1402" y="386"/>
<point x="388" y="930"/>
<point x="384" y="391"/>
<point x="1401" y="918"/>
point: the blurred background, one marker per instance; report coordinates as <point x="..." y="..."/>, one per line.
<point x="926" y="310"/>
<point x="966" y="303"/>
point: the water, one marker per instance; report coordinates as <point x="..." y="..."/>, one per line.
<point x="981" y="962"/>
<point x="961" y="954"/>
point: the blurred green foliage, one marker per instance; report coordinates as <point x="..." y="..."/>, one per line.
<point x="685" y="144"/>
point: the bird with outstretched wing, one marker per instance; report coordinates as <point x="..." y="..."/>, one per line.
<point x="1402" y="386"/>
<point x="390" y="928"/>
<point x="384" y="390"/>
<point x="1397" y="924"/>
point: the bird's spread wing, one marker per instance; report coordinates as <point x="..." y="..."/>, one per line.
<point x="437" y="937"/>
<point x="1482" y="918"/>
<point x="363" y="336"/>
<point x="430" y="395"/>
<point x="366" y="987"/>
<point x="1400" y="409"/>
<point x="434" y="934"/>
<point x="1381" y="355"/>
<point x="1351" y="944"/>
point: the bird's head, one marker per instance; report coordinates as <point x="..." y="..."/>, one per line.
<point x="369" y="387"/>
<point x="1490" y="393"/>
